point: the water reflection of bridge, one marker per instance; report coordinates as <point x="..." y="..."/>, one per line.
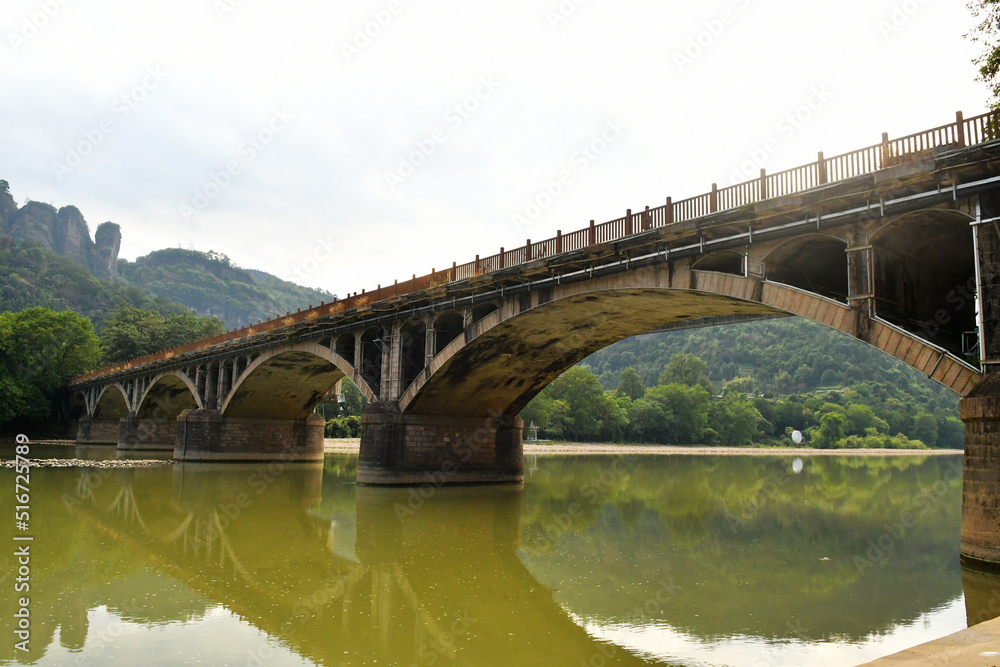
<point x="253" y="540"/>
<point x="339" y="573"/>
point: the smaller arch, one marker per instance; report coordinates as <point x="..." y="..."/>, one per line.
<point x="305" y="372"/>
<point x="448" y="326"/>
<point x="483" y="310"/>
<point x="816" y="263"/>
<point x="412" y="347"/>
<point x="167" y="396"/>
<point x="346" y="346"/>
<point x="111" y="405"/>
<point x="723" y="261"/>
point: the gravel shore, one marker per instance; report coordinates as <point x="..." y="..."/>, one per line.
<point x="351" y="446"/>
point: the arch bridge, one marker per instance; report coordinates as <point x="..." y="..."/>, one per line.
<point x="896" y="244"/>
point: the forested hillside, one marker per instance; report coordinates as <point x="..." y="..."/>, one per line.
<point x="211" y="285"/>
<point x="751" y="383"/>
<point x="784" y="356"/>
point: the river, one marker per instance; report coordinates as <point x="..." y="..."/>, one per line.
<point x="597" y="560"/>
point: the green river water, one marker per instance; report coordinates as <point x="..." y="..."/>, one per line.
<point x="597" y="560"/>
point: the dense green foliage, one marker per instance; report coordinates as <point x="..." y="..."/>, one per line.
<point x="212" y="285"/>
<point x="742" y="392"/>
<point x="783" y="357"/>
<point x="343" y="427"/>
<point x="987" y="33"/>
<point x="134" y="332"/>
<point x="39" y="351"/>
<point x="31" y="276"/>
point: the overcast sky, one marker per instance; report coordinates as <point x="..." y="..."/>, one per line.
<point x="388" y="137"/>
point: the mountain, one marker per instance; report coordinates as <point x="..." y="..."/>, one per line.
<point x="210" y="284"/>
<point x="49" y="259"/>
<point x="63" y="232"/>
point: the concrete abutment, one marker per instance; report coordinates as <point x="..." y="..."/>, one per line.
<point x="407" y="449"/>
<point x="207" y="435"/>
<point x="981" y="478"/>
<point x="135" y="434"/>
<point x="92" y="431"/>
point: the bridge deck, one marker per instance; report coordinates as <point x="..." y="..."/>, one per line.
<point x="774" y="204"/>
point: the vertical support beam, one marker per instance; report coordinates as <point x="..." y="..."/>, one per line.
<point x="670" y="210"/>
<point x="357" y="351"/>
<point x="501" y="258"/>
<point x="960" y="129"/>
<point x="430" y="342"/>
<point x="763" y="184"/>
<point x="391" y="362"/>
<point x="886" y="158"/>
<point x="713" y="206"/>
<point x="211" y="388"/>
<point x="821" y="166"/>
<point x="628" y="222"/>
<point x="558" y="241"/>
<point x="861" y="284"/>
<point x="527" y="250"/>
<point x="592" y="238"/>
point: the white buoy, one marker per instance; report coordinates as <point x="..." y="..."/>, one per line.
<point x="797" y="437"/>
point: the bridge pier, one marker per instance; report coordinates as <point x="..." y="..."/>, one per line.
<point x="97" y="431"/>
<point x="405" y="449"/>
<point x="208" y="435"/>
<point x="135" y="434"/>
<point x="981" y="484"/>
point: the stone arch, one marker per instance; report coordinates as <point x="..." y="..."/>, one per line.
<point x="112" y="404"/>
<point x="448" y="326"/>
<point x="816" y="263"/>
<point x="167" y="396"/>
<point x="412" y="350"/>
<point x="723" y="261"/>
<point x="924" y="272"/>
<point x="511" y="355"/>
<point x="287" y="382"/>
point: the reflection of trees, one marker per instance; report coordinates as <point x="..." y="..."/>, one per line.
<point x="751" y="547"/>
<point x="266" y="546"/>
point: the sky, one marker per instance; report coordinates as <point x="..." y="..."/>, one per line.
<point x="345" y="145"/>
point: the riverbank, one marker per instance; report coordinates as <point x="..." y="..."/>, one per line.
<point x="978" y="646"/>
<point x="352" y="445"/>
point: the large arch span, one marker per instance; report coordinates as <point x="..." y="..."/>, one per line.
<point x="505" y="359"/>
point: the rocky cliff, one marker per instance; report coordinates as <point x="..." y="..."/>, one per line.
<point x="63" y="231"/>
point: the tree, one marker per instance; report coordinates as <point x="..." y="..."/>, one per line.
<point x="687" y="410"/>
<point x="738" y="386"/>
<point x="859" y="418"/>
<point x="649" y="421"/>
<point x="135" y="332"/>
<point x="40" y="350"/>
<point x="925" y="429"/>
<point x="831" y="431"/>
<point x="686" y="369"/>
<point x="951" y="433"/>
<point x="630" y="384"/>
<point x="986" y="33"/>
<point x="736" y="421"/>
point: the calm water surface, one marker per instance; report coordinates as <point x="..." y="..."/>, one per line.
<point x="685" y="560"/>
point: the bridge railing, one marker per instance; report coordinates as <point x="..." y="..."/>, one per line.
<point x="962" y="132"/>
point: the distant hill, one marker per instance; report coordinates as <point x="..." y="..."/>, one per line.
<point x="48" y="258"/>
<point x="785" y="356"/>
<point x="211" y="285"/>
